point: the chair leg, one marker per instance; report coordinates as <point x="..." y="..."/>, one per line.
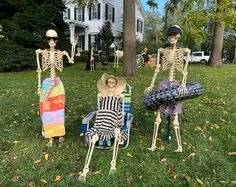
<point x="115" y="151"/>
<point x="83" y="175"/>
<point x="177" y="134"/>
<point x="155" y="131"/>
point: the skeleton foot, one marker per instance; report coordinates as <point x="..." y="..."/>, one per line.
<point x="61" y="139"/>
<point x="179" y="149"/>
<point x="83" y="175"/>
<point x="152" y="148"/>
<point x="49" y="144"/>
<point x="113" y="168"/>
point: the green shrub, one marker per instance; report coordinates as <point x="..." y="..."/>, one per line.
<point x="14" y="57"/>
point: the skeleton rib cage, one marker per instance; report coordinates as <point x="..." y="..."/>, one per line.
<point x="52" y="60"/>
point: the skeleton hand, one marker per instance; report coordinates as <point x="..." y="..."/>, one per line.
<point x="183" y="89"/>
<point x="148" y="89"/>
<point x="39" y="91"/>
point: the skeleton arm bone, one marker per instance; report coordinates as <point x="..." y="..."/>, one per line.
<point x="157" y="70"/>
<point x="39" y="70"/>
<point x="182" y="88"/>
<point x="68" y="57"/>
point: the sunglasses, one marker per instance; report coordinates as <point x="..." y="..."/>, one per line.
<point x="52" y="38"/>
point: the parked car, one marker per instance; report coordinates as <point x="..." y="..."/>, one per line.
<point x="198" y="56"/>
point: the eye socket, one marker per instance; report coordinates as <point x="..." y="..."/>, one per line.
<point x="52" y="38"/>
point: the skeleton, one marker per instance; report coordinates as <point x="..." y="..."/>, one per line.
<point x="111" y="83"/>
<point x="172" y="60"/>
<point x="73" y="41"/>
<point x="92" y="59"/>
<point x="51" y="59"/>
<point x="117" y="54"/>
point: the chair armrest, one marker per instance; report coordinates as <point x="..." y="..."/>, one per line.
<point x="88" y="117"/>
<point x="129" y="120"/>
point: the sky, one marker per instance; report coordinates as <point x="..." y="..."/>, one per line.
<point x="161" y="4"/>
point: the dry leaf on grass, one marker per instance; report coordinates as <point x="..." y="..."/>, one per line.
<point x="37" y="161"/>
<point x="43" y="181"/>
<point x="58" y="178"/>
<point x="46" y="156"/>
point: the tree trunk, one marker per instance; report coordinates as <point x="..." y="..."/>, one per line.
<point x="130" y="66"/>
<point x="217" y="45"/>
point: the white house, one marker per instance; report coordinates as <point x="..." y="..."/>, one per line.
<point x="86" y="22"/>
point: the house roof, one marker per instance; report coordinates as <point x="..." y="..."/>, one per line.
<point x="140" y="6"/>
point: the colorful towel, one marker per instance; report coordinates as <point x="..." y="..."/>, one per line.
<point x="52" y="108"/>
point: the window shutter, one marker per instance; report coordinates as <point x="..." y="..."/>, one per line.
<point x="137" y="25"/>
<point x="83" y="42"/>
<point x="89" y="41"/>
<point x="83" y="9"/>
<point x="68" y="13"/>
<point x="99" y="10"/>
<point x="141" y="26"/>
<point x="113" y="15"/>
<point x="106" y="9"/>
<point x="75" y="13"/>
<point x="90" y="13"/>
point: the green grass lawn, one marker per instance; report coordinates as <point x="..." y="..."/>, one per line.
<point x="208" y="129"/>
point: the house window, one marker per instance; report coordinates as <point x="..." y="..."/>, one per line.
<point x="110" y="13"/>
<point x="94" y="12"/>
<point x="80" y="12"/>
<point x="75" y="13"/>
<point x="68" y="13"/>
<point x="139" y="25"/>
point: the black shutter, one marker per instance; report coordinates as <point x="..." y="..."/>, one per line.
<point x="68" y="13"/>
<point x="83" y="14"/>
<point x="83" y="42"/>
<point x="113" y="15"/>
<point x="106" y="9"/>
<point x="75" y="13"/>
<point x="99" y="10"/>
<point x="89" y="41"/>
<point x="90" y="13"/>
<point x="137" y="25"/>
<point x="141" y="27"/>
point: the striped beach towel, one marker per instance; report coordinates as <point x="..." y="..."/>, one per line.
<point x="52" y="108"/>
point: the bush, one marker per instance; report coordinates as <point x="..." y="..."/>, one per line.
<point x="15" y="58"/>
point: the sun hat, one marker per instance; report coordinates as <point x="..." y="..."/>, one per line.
<point x="104" y="89"/>
<point x="174" y="29"/>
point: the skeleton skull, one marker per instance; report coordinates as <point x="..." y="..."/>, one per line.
<point x="173" y="38"/>
<point x="52" y="37"/>
<point x="111" y="83"/>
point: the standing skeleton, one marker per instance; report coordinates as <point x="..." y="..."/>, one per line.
<point x="51" y="59"/>
<point x="117" y="54"/>
<point x="172" y="60"/>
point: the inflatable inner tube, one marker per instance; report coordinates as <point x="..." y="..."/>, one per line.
<point x="153" y="99"/>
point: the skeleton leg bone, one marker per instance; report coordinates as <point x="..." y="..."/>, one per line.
<point x="177" y="134"/>
<point x="155" y="131"/>
<point x="115" y="151"/>
<point x="49" y="144"/>
<point x="83" y="175"/>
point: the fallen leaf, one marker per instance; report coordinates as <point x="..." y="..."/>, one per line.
<point x="43" y="181"/>
<point x="140" y="177"/>
<point x="97" y="172"/>
<point x="46" y="156"/>
<point x="37" y="161"/>
<point x="16" y="142"/>
<point x="58" y="178"/>
<point x="199" y="181"/>
<point x="15" y="178"/>
<point x="32" y="184"/>
<point x="192" y="155"/>
<point x="174" y="177"/>
<point x="210" y="138"/>
<point x="129" y="155"/>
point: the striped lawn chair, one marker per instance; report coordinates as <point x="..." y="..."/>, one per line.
<point x="88" y="120"/>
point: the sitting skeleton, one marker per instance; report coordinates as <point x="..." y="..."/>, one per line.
<point x="172" y="60"/>
<point x="52" y="59"/>
<point x="109" y="119"/>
